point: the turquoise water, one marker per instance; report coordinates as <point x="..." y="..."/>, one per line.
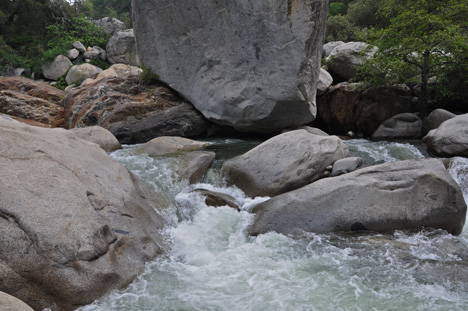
<point x="214" y="265"/>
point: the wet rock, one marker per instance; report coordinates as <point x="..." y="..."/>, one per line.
<point x="216" y="199"/>
<point x="450" y="139"/>
<point x="165" y="145"/>
<point x="346" y="58"/>
<point x="346" y="108"/>
<point x="96" y="134"/>
<point x="346" y="165"/>
<point x="252" y="65"/>
<point x="78" y="73"/>
<point x="133" y="112"/>
<point x="57" y="68"/>
<point x="195" y="165"/>
<point x="435" y="119"/>
<point x="74" y="223"/>
<point x="403" y="125"/>
<point x="283" y="163"/>
<point x="411" y="194"/>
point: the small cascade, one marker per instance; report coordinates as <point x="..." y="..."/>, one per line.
<point x="215" y="265"/>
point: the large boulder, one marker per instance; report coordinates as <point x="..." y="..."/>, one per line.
<point x="133" y="112"/>
<point x="252" y="65"/>
<point x="74" y="223"/>
<point x="98" y="135"/>
<point x="283" y="163"/>
<point x="121" y="48"/>
<point x="109" y="24"/>
<point x="30" y="101"/>
<point x="79" y="73"/>
<point x="401" y="126"/>
<point x="346" y="58"/>
<point x="58" y="67"/>
<point x="450" y="139"/>
<point x="346" y="108"/>
<point x="330" y="46"/>
<point x="435" y="119"/>
<point x="412" y="194"/>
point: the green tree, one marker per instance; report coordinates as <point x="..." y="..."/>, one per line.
<point x="424" y="40"/>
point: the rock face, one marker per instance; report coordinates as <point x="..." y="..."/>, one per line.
<point x="435" y="119"/>
<point x="344" y="59"/>
<point x="345" y="108"/>
<point x="98" y="135"/>
<point x="31" y="101"/>
<point x="253" y="65"/>
<point x="283" y="163"/>
<point x="133" y="112"/>
<point x="450" y="139"/>
<point x="74" y="223"/>
<point x="121" y="48"/>
<point x="57" y="68"/>
<point x="403" y="125"/>
<point x="402" y="195"/>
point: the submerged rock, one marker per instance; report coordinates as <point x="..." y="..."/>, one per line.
<point x="283" y="163"/>
<point x="410" y="194"/>
<point x="252" y="65"/>
<point x="450" y="139"/>
<point x="215" y="199"/>
<point x="74" y="223"/>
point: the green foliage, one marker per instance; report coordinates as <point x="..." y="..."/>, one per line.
<point x="337" y="8"/>
<point x="61" y="83"/>
<point x="120" y="9"/>
<point x="424" y="39"/>
<point x="100" y="63"/>
<point x="363" y="13"/>
<point x="340" y="29"/>
<point x="147" y="76"/>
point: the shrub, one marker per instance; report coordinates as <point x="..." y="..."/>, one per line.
<point x="147" y="76"/>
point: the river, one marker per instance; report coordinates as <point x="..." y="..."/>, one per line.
<point x="214" y="265"/>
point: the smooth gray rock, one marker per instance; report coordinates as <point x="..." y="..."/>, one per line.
<point x="109" y="24"/>
<point x="165" y="145"/>
<point x="412" y="194"/>
<point x="330" y="46"/>
<point x="73" y="54"/>
<point x="79" y="46"/>
<point x="10" y="303"/>
<point x="403" y="125"/>
<point x="78" y="73"/>
<point x="91" y="54"/>
<point x="450" y="139"/>
<point x="346" y="165"/>
<point x="283" y="163"/>
<point x="345" y="58"/>
<point x="98" y="135"/>
<point x="325" y="81"/>
<point x="252" y="65"/>
<point x="435" y="119"/>
<point x="195" y="165"/>
<point x="121" y="48"/>
<point x="57" y="68"/>
<point x="74" y="223"/>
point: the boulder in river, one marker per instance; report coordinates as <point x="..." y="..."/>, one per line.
<point x="284" y="163"/>
<point x="411" y="194"/>
<point x="74" y="223"/>
<point x="195" y="165"/>
<point x="435" y="119"/>
<point x="401" y="126"/>
<point x="252" y="65"/>
<point x="165" y="145"/>
<point x="450" y="139"/>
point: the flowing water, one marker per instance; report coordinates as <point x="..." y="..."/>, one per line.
<point x="214" y="265"/>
